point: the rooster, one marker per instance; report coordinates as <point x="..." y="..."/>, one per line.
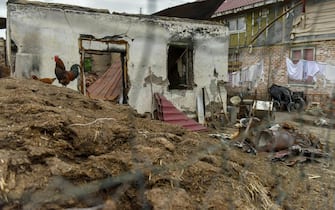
<point x="65" y="77"/>
<point x="45" y="80"/>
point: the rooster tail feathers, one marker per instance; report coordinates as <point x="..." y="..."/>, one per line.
<point x="75" y="69"/>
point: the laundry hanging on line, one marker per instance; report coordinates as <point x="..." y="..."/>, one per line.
<point x="303" y="70"/>
<point x="253" y="74"/>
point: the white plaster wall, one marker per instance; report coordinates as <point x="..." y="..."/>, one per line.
<point x="46" y="31"/>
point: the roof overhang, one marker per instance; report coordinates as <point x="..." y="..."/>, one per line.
<point x="199" y="10"/>
<point x="247" y="7"/>
<point x="58" y="5"/>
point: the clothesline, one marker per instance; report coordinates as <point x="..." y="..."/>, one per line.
<point x="303" y="70"/>
<point x="253" y="74"/>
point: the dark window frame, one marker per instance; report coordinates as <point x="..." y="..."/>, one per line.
<point x="237" y="21"/>
<point x="180" y="71"/>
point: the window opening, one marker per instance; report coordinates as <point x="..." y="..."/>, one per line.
<point x="307" y="54"/>
<point x="180" y="67"/>
<point x="237" y="24"/>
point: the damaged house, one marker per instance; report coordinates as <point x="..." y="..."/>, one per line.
<point x="122" y="57"/>
<point x="286" y="42"/>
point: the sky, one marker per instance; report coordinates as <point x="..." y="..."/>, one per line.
<point x="127" y="6"/>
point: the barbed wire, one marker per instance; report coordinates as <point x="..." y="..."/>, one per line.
<point x="60" y="189"/>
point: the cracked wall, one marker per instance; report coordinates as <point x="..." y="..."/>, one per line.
<point x="42" y="31"/>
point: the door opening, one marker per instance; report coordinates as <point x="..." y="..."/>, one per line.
<point x="104" y="73"/>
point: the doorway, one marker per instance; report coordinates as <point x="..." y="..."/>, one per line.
<point x="104" y="69"/>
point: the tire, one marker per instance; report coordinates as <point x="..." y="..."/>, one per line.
<point x="276" y="105"/>
<point x="290" y="107"/>
<point x="299" y="104"/>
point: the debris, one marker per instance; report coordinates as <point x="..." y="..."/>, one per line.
<point x="249" y="147"/>
<point x="99" y="207"/>
<point x="296" y="154"/>
<point x="91" y="123"/>
<point x="235" y="100"/>
<point x="244" y="122"/>
<point x="313" y="176"/>
<point x="271" y="141"/>
<point x="225" y="136"/>
<point x="321" y="122"/>
<point x="274" y="127"/>
<point x="220" y="135"/>
<point x="281" y="155"/>
<point x="297" y="159"/>
<point x="315" y="110"/>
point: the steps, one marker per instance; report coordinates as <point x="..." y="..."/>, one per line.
<point x="167" y="112"/>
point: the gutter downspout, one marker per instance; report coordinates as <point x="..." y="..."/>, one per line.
<point x="272" y="22"/>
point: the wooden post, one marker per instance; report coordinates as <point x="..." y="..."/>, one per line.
<point x="152" y="94"/>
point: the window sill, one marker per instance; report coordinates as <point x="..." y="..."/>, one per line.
<point x="236" y="32"/>
<point x="303" y="85"/>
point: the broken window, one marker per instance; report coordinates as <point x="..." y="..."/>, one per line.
<point x="237" y="24"/>
<point x="180" y="67"/>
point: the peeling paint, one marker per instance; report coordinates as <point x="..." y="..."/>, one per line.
<point x="213" y="88"/>
<point x="153" y="79"/>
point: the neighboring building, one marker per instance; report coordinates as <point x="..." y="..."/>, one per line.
<point x="267" y="32"/>
<point x="178" y="58"/>
<point x="264" y="33"/>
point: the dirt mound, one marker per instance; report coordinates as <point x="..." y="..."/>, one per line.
<point x="59" y="150"/>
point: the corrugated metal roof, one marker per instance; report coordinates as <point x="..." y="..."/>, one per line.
<point x="167" y="112"/>
<point x="199" y="10"/>
<point x="109" y="85"/>
<point x="230" y="5"/>
<point x="233" y="4"/>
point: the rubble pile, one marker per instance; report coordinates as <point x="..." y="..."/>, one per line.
<point x="61" y="150"/>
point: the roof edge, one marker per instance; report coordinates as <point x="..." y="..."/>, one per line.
<point x="173" y="7"/>
<point x="105" y="11"/>
<point x="247" y="7"/>
<point x="57" y="5"/>
<point x="163" y="18"/>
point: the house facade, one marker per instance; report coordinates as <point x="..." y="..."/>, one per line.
<point x="137" y="55"/>
<point x="275" y="36"/>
